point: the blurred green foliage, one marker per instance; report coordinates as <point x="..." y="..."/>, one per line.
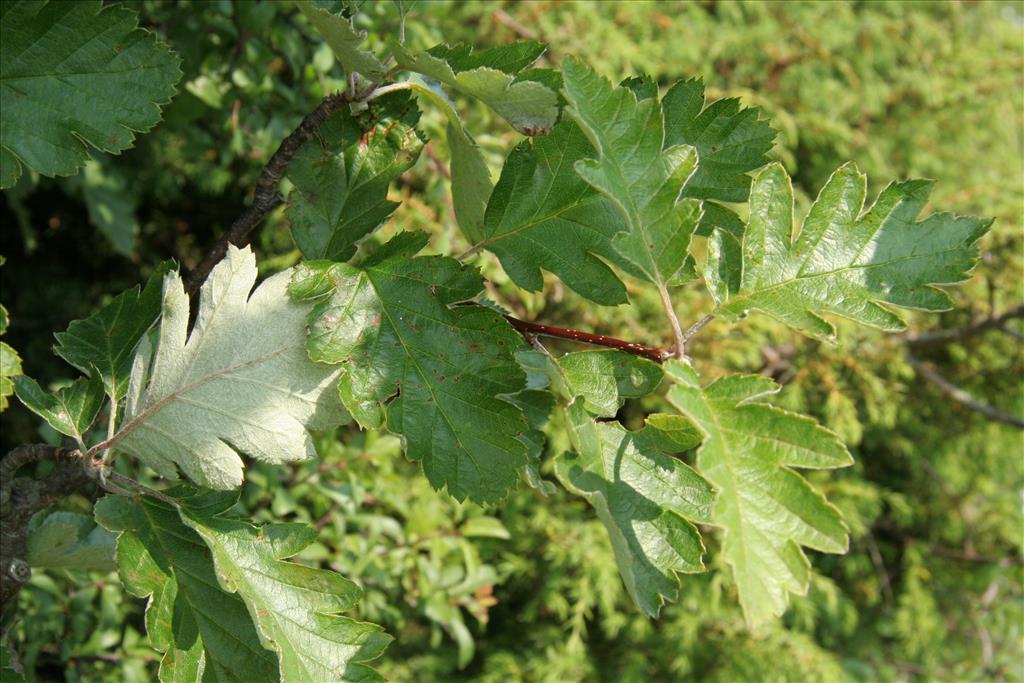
<point x="528" y="590"/>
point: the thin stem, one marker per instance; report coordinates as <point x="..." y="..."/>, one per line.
<point x="697" y="327"/>
<point x="673" y="319"/>
<point x="385" y="89"/>
<point x="471" y="252"/>
<point x="654" y="353"/>
<point x="962" y="397"/>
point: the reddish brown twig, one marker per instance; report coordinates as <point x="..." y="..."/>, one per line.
<point x="658" y="355"/>
<point x="266" y="197"/>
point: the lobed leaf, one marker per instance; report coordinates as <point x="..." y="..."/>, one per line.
<point x="542" y="214"/>
<point x="342" y="174"/>
<point x="442" y="369"/>
<point x="638" y="171"/>
<point x="241" y="381"/>
<point x="647" y="499"/>
<point x="767" y="510"/>
<point x="204" y="632"/>
<point x="294" y="607"/>
<point x="730" y="141"/>
<point x="104" y="343"/>
<point x="845" y="262"/>
<point x="343" y="40"/>
<point x="75" y="75"/>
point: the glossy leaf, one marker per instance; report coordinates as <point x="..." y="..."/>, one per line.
<point x="845" y="262"/>
<point x="342" y="174"/>
<point x="204" y="632"/>
<point x="647" y="499"/>
<point x="71" y="410"/>
<point x="74" y="75"/>
<point x="529" y="107"/>
<point x="636" y="170"/>
<point x="241" y="380"/>
<point x="542" y="214"/>
<point x="104" y="343"/>
<point x="767" y="510"/>
<point x="396" y="324"/>
<point x="344" y="40"/>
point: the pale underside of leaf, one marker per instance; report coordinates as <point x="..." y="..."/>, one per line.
<point x="240" y="381"/>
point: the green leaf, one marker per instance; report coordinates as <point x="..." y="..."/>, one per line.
<point x="240" y="381"/>
<point x="68" y="540"/>
<point x="111" y="204"/>
<point x="71" y="411"/>
<point x="205" y="633"/>
<point x="7" y="672"/>
<point x="542" y="214"/>
<point x="395" y="322"/>
<point x="510" y="58"/>
<point x="529" y="107"/>
<point x="847" y="263"/>
<point x="766" y="509"/>
<point x="646" y="498"/>
<point x="295" y="607"/>
<point x="638" y="172"/>
<point x="10" y="364"/>
<point x="73" y="75"/>
<point x="342" y="174"/>
<point x="730" y="141"/>
<point x="471" y="179"/>
<point x="344" y="40"/>
<point x="104" y="343"/>
<point x="604" y="379"/>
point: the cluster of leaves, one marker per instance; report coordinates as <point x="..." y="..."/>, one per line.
<point x="623" y="196"/>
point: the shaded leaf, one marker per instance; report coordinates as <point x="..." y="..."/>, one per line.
<point x="767" y="510"/>
<point x="241" y="381"/>
<point x="74" y="75"/>
<point x="104" y="343"/>
<point x="342" y="174"/>
<point x="471" y="179"/>
<point x="68" y="540"/>
<point x="647" y="499"/>
<point x="204" y="633"/>
<point x="845" y="262"/>
<point x="395" y="323"/>
<point x="294" y="607"/>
